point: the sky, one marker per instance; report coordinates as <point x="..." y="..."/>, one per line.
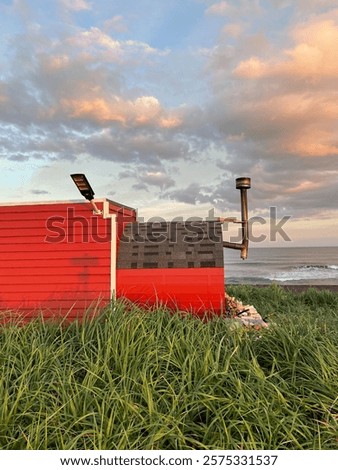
<point x="163" y="104"/>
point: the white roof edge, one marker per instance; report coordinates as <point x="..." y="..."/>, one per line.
<point x="36" y="203"/>
<point x="70" y="201"/>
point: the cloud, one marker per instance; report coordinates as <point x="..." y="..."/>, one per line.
<point x="251" y="68"/>
<point x="192" y="194"/>
<point x="157" y="178"/>
<point x="274" y="108"/>
<point x="220" y="8"/>
<point x="39" y="191"/>
<point x="98" y="45"/>
<point x="143" y="111"/>
<point x="295" y="194"/>
<point x="313" y="142"/>
<point x="313" y="59"/>
<point x="153" y="179"/>
<point x="233" y="29"/>
<point x="285" y="103"/>
<point x="97" y="91"/>
<point x="304" y="186"/>
<point x="243" y="7"/>
<point x="67" y="103"/>
<point x="93" y="37"/>
<point x="220" y="195"/>
<point x="19" y="157"/>
<point x="312" y="5"/>
<point x="234" y="8"/>
<point x="75" y="5"/>
<point x="116" y="23"/>
<point x="148" y="177"/>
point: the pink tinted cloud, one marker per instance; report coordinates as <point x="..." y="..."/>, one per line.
<point x="220" y="8"/>
<point x="144" y="111"/>
<point x="313" y="57"/>
<point x="233" y="29"/>
<point x="313" y="142"/>
<point x="75" y="5"/>
<point x="294" y="94"/>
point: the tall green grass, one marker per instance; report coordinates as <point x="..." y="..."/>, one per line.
<point x="131" y="379"/>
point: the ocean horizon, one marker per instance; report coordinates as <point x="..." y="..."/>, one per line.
<point x="284" y="266"/>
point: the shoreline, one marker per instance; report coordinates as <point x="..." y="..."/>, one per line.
<point x="293" y="287"/>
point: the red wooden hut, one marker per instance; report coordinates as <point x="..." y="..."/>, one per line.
<point x="59" y="257"/>
<point x="63" y="258"/>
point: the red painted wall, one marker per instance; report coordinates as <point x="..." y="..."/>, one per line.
<point x="55" y="257"/>
<point x="193" y="289"/>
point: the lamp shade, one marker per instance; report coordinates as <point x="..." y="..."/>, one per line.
<point x="83" y="185"/>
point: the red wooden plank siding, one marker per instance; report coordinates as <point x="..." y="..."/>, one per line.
<point x="53" y="257"/>
<point x="198" y="290"/>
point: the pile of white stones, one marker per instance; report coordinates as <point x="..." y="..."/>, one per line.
<point x="247" y="315"/>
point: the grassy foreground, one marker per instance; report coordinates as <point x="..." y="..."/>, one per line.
<point x="136" y="380"/>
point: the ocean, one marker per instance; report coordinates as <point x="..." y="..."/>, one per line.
<point x="284" y="266"/>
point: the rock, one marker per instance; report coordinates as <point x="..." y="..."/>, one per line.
<point x="247" y="315"/>
<point x="256" y="323"/>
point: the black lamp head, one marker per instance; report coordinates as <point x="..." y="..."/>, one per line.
<point x="83" y="185"/>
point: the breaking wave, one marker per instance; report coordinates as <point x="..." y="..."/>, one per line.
<point x="306" y="272"/>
